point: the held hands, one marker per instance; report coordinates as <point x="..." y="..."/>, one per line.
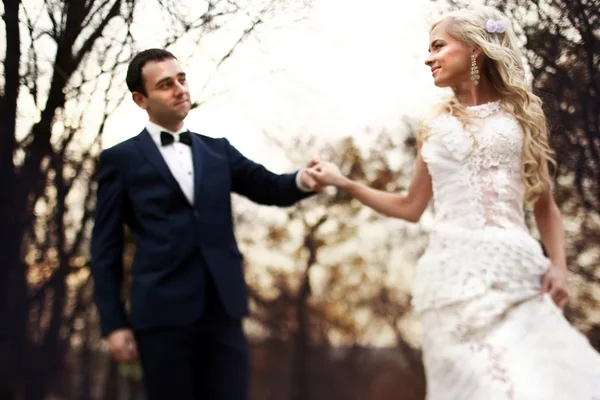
<point x="326" y="173"/>
<point x="122" y="346"/>
<point x="554" y="282"/>
<point x="307" y="180"/>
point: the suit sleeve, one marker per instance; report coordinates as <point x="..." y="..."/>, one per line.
<point x="107" y="245"/>
<point x="260" y="185"/>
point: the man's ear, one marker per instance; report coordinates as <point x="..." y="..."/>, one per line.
<point x="139" y="99"/>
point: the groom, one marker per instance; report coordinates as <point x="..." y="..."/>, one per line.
<point x="172" y="188"/>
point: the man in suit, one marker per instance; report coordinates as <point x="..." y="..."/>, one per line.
<point x="173" y="189"/>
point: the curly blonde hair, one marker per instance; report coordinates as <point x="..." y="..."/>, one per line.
<point x="503" y="66"/>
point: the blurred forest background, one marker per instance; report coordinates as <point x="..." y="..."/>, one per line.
<point x="329" y="280"/>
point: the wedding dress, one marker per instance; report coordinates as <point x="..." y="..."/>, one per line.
<point x="487" y="333"/>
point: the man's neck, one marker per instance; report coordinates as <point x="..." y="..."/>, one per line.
<point x="172" y="127"/>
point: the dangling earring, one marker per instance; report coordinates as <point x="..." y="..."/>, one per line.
<point x="474" y="71"/>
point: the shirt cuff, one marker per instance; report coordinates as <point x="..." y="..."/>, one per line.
<point x="299" y="183"/>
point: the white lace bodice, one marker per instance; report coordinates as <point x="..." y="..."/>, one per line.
<point x="479" y="238"/>
<point x="476" y="171"/>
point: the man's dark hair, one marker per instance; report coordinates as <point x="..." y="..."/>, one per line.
<point x="135" y="81"/>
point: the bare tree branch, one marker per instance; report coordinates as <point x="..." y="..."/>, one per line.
<point x="98" y="31"/>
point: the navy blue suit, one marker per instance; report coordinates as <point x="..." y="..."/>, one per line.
<point x="188" y="283"/>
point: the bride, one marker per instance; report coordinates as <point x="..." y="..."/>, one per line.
<point x="488" y="298"/>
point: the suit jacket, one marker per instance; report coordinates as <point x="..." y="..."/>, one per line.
<point x="136" y="187"/>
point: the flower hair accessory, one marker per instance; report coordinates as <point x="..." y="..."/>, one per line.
<point x="495" y="26"/>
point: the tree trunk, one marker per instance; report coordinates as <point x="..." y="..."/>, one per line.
<point x="21" y="189"/>
<point x="301" y="357"/>
<point x="49" y="359"/>
<point x="13" y="288"/>
<point x="300" y="381"/>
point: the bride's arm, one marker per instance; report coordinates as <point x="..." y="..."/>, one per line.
<point x="549" y="223"/>
<point x="409" y="207"/>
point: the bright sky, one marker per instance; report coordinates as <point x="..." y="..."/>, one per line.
<point x="346" y="68"/>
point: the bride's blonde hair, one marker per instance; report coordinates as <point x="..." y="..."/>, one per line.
<point x="503" y="66"/>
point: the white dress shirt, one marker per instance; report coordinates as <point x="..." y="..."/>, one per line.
<point x="179" y="159"/>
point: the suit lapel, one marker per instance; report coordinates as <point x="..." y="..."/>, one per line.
<point x="152" y="154"/>
<point x="199" y="157"/>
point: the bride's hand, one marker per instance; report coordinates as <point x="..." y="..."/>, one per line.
<point x="554" y="282"/>
<point x="327" y="173"/>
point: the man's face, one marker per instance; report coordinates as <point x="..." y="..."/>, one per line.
<point x="168" y="97"/>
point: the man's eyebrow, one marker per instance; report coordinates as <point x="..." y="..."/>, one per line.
<point x="163" y="80"/>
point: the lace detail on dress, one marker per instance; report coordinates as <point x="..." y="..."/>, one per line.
<point x="484" y="110"/>
<point x="495" y="366"/>
<point x="505" y="346"/>
<point x="484" y="160"/>
<point x="461" y="264"/>
<point x="479" y="238"/>
<point x="497" y="168"/>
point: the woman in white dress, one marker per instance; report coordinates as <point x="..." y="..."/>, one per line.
<point x="488" y="298"/>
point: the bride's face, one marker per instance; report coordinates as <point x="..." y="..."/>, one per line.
<point x="449" y="59"/>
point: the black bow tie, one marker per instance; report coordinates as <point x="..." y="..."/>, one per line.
<point x="167" y="138"/>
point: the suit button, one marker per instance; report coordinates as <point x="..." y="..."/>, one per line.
<point x="196" y="214"/>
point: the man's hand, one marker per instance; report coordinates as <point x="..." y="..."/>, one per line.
<point x="122" y="346"/>
<point x="307" y="180"/>
<point x="326" y="173"/>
